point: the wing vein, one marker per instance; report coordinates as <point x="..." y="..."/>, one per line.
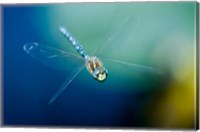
<point x="66" y="83"/>
<point x="141" y="67"/>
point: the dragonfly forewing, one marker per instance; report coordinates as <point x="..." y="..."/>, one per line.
<point x="52" y="57"/>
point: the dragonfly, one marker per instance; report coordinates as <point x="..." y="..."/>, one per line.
<point x="54" y="58"/>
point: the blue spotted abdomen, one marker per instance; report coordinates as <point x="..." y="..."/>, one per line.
<point x="74" y="42"/>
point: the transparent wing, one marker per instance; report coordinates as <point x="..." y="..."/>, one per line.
<point x="66" y="83"/>
<point x="52" y="57"/>
<point x="57" y="59"/>
<point x="123" y="42"/>
<point x="131" y="66"/>
<point x="118" y="32"/>
<point x="128" y="76"/>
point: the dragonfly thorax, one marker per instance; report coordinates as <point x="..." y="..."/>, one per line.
<point x="96" y="68"/>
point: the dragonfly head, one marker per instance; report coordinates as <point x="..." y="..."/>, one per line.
<point x="96" y="68"/>
<point x="100" y="73"/>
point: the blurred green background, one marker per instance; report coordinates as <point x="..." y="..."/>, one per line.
<point x="160" y="34"/>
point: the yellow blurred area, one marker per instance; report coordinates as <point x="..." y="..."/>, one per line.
<point x="175" y="108"/>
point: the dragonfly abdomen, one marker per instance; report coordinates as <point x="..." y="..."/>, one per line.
<point x="74" y="42"/>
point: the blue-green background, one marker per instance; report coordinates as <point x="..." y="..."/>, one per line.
<point x="157" y="34"/>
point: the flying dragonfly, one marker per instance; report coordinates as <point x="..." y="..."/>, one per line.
<point x="54" y="58"/>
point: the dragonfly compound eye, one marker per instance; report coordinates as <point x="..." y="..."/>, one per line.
<point x="100" y="74"/>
